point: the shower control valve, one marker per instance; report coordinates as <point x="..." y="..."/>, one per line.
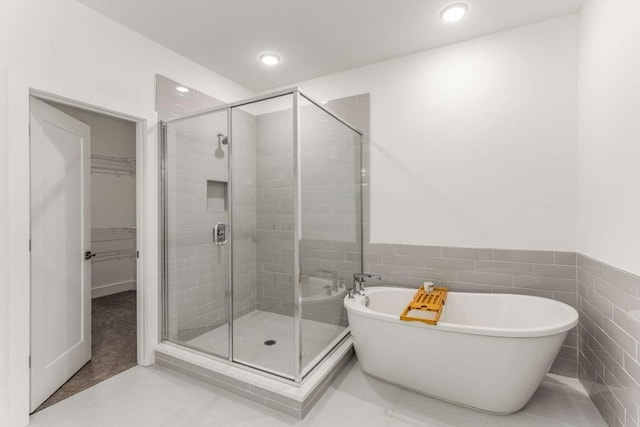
<point x="220" y="234"/>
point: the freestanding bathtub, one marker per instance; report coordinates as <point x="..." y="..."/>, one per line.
<point x="488" y="351"/>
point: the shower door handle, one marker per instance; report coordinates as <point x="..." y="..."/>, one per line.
<point x="220" y="234"/>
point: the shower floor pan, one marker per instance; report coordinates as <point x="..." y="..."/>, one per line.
<point x="253" y="330"/>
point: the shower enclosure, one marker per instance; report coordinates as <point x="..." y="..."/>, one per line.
<point x="262" y="221"/>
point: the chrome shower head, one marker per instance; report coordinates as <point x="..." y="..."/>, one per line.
<point x="222" y="140"/>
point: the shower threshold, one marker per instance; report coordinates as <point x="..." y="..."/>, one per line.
<point x="252" y="330"/>
<point x="287" y="397"/>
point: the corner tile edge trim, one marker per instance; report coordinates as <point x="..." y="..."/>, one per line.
<point x="609" y="340"/>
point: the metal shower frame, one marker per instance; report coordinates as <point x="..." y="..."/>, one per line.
<point x="299" y="373"/>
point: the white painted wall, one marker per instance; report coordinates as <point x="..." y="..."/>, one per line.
<point x="473" y="144"/>
<point x="609" y="133"/>
<point x="64" y="48"/>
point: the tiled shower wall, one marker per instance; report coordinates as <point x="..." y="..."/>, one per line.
<point x="609" y="340"/>
<point x="198" y="269"/>
<point x="331" y="216"/>
<point x="330" y="174"/>
<point x="275" y="210"/>
<point x="329" y="199"/>
<point x="244" y="213"/>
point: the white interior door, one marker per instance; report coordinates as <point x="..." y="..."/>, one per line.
<point x="60" y="235"/>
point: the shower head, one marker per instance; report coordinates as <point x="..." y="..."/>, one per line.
<point x="222" y="140"/>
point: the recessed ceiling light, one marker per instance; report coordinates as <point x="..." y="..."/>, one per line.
<point x="269" y="58"/>
<point x="182" y="89"/>
<point x="454" y="12"/>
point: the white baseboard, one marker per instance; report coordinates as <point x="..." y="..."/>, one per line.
<point x="113" y="288"/>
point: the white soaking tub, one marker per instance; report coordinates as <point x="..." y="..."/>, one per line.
<point x="488" y="351"/>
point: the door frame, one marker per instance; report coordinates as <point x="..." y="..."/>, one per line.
<point x="4" y="247"/>
<point x="142" y="312"/>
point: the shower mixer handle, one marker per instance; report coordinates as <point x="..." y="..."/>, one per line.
<point x="220" y="234"/>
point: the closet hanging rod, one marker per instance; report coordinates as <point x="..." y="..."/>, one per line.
<point x="101" y="163"/>
<point x="119" y="254"/>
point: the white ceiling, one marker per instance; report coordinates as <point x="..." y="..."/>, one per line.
<point x="314" y="37"/>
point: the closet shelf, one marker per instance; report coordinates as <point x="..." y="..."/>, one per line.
<point x="109" y="234"/>
<point x="113" y="165"/>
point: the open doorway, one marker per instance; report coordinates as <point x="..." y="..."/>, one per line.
<point x="83" y="249"/>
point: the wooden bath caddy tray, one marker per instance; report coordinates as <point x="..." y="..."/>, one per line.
<point x="428" y="303"/>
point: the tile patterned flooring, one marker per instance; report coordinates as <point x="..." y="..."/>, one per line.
<point x="158" y="397"/>
<point x="253" y="329"/>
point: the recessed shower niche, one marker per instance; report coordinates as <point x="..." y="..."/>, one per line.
<point x="216" y="196"/>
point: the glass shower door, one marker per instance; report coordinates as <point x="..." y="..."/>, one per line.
<point x="263" y="239"/>
<point x="330" y="221"/>
<point x="196" y="224"/>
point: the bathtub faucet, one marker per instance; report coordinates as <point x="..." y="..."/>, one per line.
<point x="359" y="279"/>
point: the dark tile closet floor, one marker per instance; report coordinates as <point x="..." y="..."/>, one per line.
<point x="113" y="344"/>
